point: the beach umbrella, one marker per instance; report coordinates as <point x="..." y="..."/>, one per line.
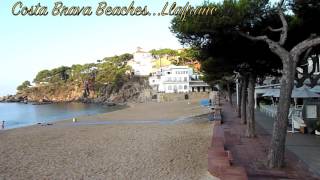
<point x="316" y="89"/>
<point x="267" y="94"/>
<point x="302" y="87"/>
<point x="271" y="93"/>
<point x="304" y="92"/>
<point x="275" y="93"/>
<point x="307" y="81"/>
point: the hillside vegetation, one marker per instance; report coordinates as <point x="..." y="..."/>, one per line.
<point x="108" y="80"/>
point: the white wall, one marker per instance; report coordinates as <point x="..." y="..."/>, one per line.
<point x="175" y="79"/>
<point x="142" y="63"/>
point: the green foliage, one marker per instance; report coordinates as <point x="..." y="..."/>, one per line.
<point x="304" y="22"/>
<point x="162" y="52"/>
<point x="188" y="56"/>
<point x="119" y="60"/>
<point x="51" y="76"/>
<point x="222" y="49"/>
<point x="24" y="85"/>
<point x="177" y="58"/>
<point x="108" y="71"/>
<point x="42" y="76"/>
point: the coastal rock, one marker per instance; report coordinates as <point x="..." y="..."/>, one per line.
<point x="45" y="94"/>
<point x="12" y="98"/>
<point x="136" y="89"/>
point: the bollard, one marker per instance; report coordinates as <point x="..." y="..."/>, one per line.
<point x="74" y="120"/>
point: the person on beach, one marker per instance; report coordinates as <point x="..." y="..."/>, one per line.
<point x="2" y="125"/>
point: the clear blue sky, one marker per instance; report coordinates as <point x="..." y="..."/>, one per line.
<point x="30" y="44"/>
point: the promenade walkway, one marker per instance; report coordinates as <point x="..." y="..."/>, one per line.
<point x="252" y="152"/>
<point x="305" y="146"/>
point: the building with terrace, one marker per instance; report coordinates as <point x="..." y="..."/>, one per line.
<point x="177" y="79"/>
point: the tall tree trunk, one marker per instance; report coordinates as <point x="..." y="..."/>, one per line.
<point x="229" y="93"/>
<point x="251" y="126"/>
<point x="289" y="61"/>
<point x="244" y="100"/>
<point x="240" y="98"/>
<point x="277" y="147"/>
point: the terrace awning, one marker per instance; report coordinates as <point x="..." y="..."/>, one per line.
<point x="316" y="89"/>
<point x="302" y="92"/>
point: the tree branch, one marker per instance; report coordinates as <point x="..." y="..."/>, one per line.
<point x="303" y="46"/>
<point x="281" y="3"/>
<point x="284" y="32"/>
<point x="284" y="28"/>
<point x="275" y="47"/>
<point x="252" y="38"/>
<point x="274" y="30"/>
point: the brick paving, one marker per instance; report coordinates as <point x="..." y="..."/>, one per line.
<point x="252" y="153"/>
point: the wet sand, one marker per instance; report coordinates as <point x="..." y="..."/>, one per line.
<point x="126" y="151"/>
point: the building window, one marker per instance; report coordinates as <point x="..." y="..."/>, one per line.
<point x="180" y="87"/>
<point x="185" y="87"/>
<point x="185" y="79"/>
<point x="174" y="79"/>
<point x="169" y="87"/>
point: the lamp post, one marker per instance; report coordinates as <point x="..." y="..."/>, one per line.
<point x="237" y="91"/>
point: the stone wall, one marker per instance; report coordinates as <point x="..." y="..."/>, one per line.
<point x="166" y="97"/>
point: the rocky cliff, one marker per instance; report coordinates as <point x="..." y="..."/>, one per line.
<point x="135" y="89"/>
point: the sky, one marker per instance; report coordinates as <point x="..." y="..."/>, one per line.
<point x="29" y="44"/>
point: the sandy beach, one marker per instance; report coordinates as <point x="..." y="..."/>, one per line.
<point x="152" y="111"/>
<point x="110" y="151"/>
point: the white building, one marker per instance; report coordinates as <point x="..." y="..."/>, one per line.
<point x="141" y="63"/>
<point x="177" y="79"/>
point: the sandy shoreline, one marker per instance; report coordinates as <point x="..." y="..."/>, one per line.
<point x="151" y="111"/>
<point x="126" y="151"/>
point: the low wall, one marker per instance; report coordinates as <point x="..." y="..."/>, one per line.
<point x="166" y="97"/>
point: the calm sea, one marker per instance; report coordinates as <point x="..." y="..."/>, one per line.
<point x="19" y="115"/>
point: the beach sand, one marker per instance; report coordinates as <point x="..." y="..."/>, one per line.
<point x="152" y="111"/>
<point x="126" y="151"/>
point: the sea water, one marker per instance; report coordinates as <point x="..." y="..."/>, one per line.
<point x="19" y="115"/>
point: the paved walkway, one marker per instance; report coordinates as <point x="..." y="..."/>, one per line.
<point x="252" y="152"/>
<point x="305" y="146"/>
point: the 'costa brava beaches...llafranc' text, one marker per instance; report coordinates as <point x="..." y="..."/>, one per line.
<point x="104" y="9"/>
